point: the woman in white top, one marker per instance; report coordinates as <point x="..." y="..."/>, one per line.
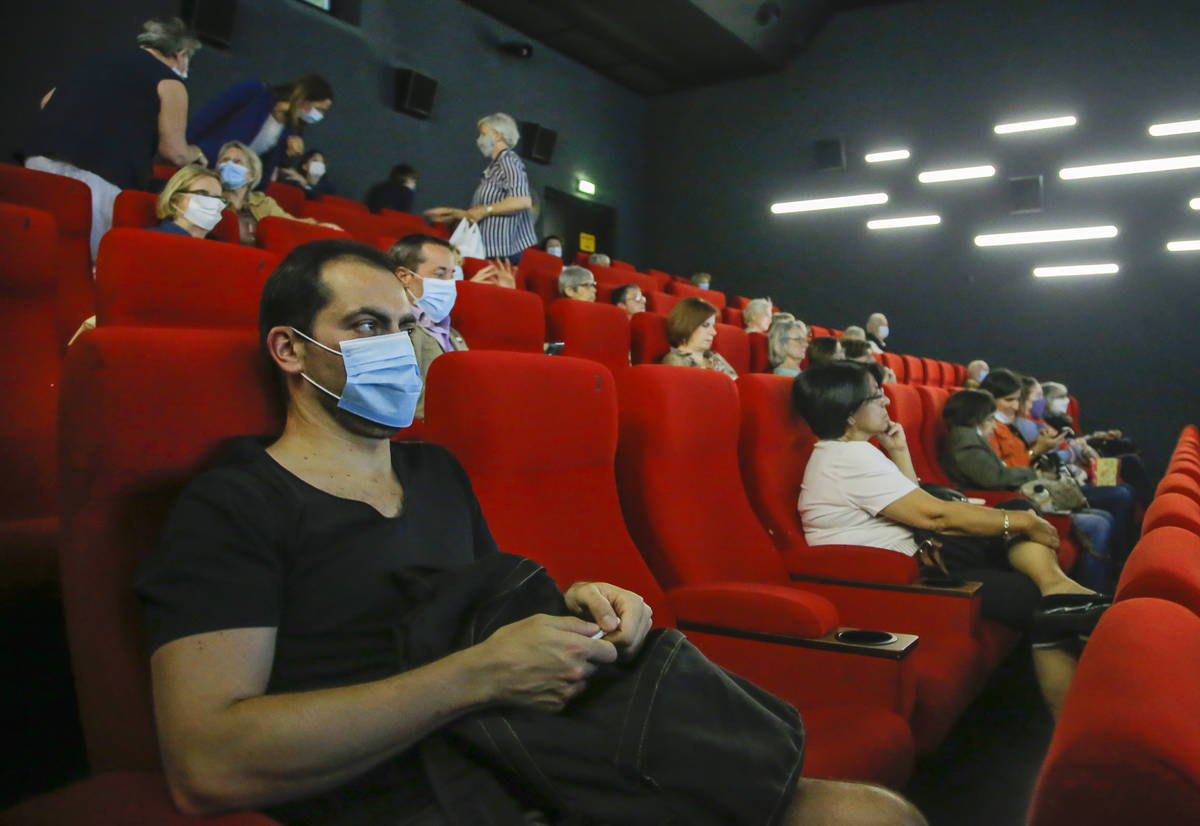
<point x="854" y="494"/>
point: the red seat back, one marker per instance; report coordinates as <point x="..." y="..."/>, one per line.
<point x="282" y="235"/>
<point x="499" y="318"/>
<point x="589" y="330"/>
<point x="760" y="361"/>
<point x="544" y="285"/>
<point x="648" y="341"/>
<point x="140" y="209"/>
<point x="660" y="303"/>
<point x="545" y="483"/>
<point x="361" y="224"/>
<point x="773" y="448"/>
<point x="1073" y="412"/>
<point x="1172" y="510"/>
<point x="616" y="276"/>
<point x="142" y="410"/>
<point x="678" y="425"/>
<point x="817" y="331"/>
<point x="400" y="224"/>
<point x="661" y="279"/>
<point x="960" y="375"/>
<point x="933" y="371"/>
<point x="949" y="377"/>
<point x="932" y="433"/>
<point x="70" y="203"/>
<point x="1165" y="564"/>
<point x="897" y="364"/>
<point x="534" y="260"/>
<point x="731" y="316"/>
<point x="344" y="203"/>
<point x="622" y="265"/>
<point x="734" y="344"/>
<point x="151" y="279"/>
<point x="914" y="370"/>
<point x="714" y="297"/>
<point x="1179" y="481"/>
<point x="904" y="406"/>
<point x="291" y="198"/>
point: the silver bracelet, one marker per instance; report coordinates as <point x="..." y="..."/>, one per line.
<point x="1006" y="524"/>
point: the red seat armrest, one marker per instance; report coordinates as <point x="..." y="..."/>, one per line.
<point x="746" y="606"/>
<point x="852" y="562"/>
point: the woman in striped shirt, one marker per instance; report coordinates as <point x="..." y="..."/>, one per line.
<point x="502" y="205"/>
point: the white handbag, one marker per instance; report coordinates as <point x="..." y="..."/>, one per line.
<point x="468" y="239"/>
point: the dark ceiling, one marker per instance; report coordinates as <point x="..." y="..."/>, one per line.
<point x="657" y="46"/>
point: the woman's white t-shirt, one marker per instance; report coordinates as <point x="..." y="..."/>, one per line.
<point x="846" y="485"/>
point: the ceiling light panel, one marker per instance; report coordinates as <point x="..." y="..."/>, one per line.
<point x="839" y="202"/>
<point x="900" y="223"/>
<point x="1104" y="170"/>
<point x="1179" y="127"/>
<point x="1184" y="246"/>
<point x="1045" y="236"/>
<point x="965" y="173"/>
<point x="1076" y="269"/>
<point x="886" y="155"/>
<point x="1060" y="122"/>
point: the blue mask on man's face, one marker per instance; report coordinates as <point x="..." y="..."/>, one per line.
<point x="383" y="381"/>
<point x="437" y="298"/>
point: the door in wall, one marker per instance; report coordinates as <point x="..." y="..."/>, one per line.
<point x="579" y="221"/>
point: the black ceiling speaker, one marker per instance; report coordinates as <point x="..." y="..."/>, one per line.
<point x="1025" y="194"/>
<point x="211" y="20"/>
<point x="829" y="153"/>
<point x="414" y="93"/>
<point x="537" y="142"/>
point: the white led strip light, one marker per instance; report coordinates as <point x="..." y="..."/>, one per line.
<point x="840" y="202"/>
<point x="1045" y="236"/>
<point x="898" y="223"/>
<point x="1076" y="269"/>
<point x="1032" y="125"/>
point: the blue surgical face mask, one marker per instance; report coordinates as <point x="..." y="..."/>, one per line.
<point x="703" y="286"/>
<point x="312" y="116"/>
<point x="979" y="430"/>
<point x="437" y="298"/>
<point x="458" y="276"/>
<point x="555" y="251"/>
<point x="1037" y="409"/>
<point x="383" y="381"/>
<point x="233" y="174"/>
<point x="982" y="375"/>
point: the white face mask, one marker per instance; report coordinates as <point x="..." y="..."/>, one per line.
<point x="883" y="331"/>
<point x="316" y="169"/>
<point x="182" y="75"/>
<point x="486" y="144"/>
<point x="313" y="115"/>
<point x="1002" y="418"/>
<point x="1058" y="406"/>
<point x="555" y="251"/>
<point x="204" y="211"/>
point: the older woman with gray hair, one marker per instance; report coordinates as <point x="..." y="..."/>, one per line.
<point x="787" y="345"/>
<point x="577" y="283"/>
<point x="502" y="204"/>
<point x="241" y="169"/>
<point x="757" y="315"/>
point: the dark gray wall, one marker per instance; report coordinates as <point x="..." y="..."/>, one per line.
<point x="934" y="76"/>
<point x="599" y="123"/>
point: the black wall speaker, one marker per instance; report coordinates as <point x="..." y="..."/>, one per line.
<point x="414" y="93"/>
<point x="1025" y="194"/>
<point x="211" y="20"/>
<point x="829" y="153"/>
<point x="537" y="142"/>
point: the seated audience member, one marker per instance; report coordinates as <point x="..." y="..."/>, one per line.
<point x="691" y="329"/>
<point x="240" y="171"/>
<point x="600" y="259"/>
<point x="852" y="494"/>
<point x="854" y="333"/>
<point x="824" y="349"/>
<point x="317" y="649"/>
<point x="857" y="349"/>
<point x="757" y="315"/>
<point x="107" y="116"/>
<point x="425" y="266"/>
<point x="787" y="346"/>
<point x="270" y="120"/>
<point x="702" y="280"/>
<point x="191" y="202"/>
<point x="553" y="245"/>
<point x="877" y="331"/>
<point x="630" y="299"/>
<point x="977" y="371"/>
<point x="396" y="192"/>
<point x="971" y="461"/>
<point x="310" y="175"/>
<point x="577" y="283"/>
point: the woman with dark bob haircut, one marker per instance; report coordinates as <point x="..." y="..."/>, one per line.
<point x="853" y="494"/>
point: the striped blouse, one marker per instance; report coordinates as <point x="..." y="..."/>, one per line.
<point x="504" y="234"/>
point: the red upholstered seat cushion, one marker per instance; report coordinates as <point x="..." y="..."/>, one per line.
<point x="1172" y="509"/>
<point x="1165" y="564"/>
<point x="1179" y="482"/>
<point x="591" y="330"/>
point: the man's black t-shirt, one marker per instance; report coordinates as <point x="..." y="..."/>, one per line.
<point x="251" y="545"/>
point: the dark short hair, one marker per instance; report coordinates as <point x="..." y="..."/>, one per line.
<point x="827" y="396"/>
<point x="295" y="293"/>
<point x="1001" y="382"/>
<point x="548" y="239"/>
<point x="621" y="293"/>
<point x="409" y="251"/>
<point x="821" y="350"/>
<point x="968" y="408"/>
<point x="855" y="348"/>
<point x="402" y="171"/>
<point x="308" y="156"/>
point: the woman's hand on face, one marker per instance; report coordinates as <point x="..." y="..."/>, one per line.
<point x="893" y="438"/>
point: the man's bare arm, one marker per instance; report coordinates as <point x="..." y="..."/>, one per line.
<point x="172" y="125"/>
<point x="227" y="745"/>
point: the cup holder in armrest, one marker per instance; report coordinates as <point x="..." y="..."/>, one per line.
<point x="861" y="636"/>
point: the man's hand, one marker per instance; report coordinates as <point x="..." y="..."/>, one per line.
<point x="622" y="615"/>
<point x="893" y="439"/>
<point x="542" y="662"/>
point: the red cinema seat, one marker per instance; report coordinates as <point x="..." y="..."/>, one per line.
<point x="933" y="371"/>
<point x="661" y="279"/>
<point x="534" y="260"/>
<point x="344" y="203"/>
<point x="282" y="235"/>
<point x="714" y="297"/>
<point x="473" y="265"/>
<point x="1165" y="564"/>
<point x="623" y="265"/>
<point x="734" y="344"/>
<point x="739" y="302"/>
<point x="947" y="370"/>
<point x="29" y="269"/>
<point x="290" y="197"/>
<point x="960" y="374"/>
<point x="648" y="341"/>
<point x="142" y="410"/>
<point x="684" y="424"/>
<point x="163" y="172"/>
<point x="140" y="209"/>
<point x="151" y="279"/>
<point x="70" y="203"/>
<point x="914" y="370"/>
<point x="1073" y="412"/>
<point x="897" y="364"/>
<point x="544" y="285"/>
<point x="498" y="318"/>
<point x="1172" y="509"/>
<point x="589" y="330"/>
<point x="1179" y="482"/>
<point x="1126" y="748"/>
<point x="731" y="316"/>
<point x="819" y="332"/>
<point x="489" y="409"/>
<point x="400" y="224"/>
<point x="581" y="258"/>
<point x="760" y="361"/>
<point x="361" y="224"/>
<point x="660" y="303"/>
<point x="615" y="276"/>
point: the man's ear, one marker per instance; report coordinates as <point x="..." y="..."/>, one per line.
<point x="286" y="350"/>
<point x="411" y="281"/>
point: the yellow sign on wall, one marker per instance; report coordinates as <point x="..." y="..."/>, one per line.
<point x="587" y="243"/>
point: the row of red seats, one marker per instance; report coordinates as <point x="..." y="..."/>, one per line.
<point x="1127" y="746"/>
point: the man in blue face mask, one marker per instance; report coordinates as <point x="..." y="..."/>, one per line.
<point x="424" y="264"/>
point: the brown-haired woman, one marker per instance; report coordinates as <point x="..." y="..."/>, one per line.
<point x="691" y="329"/>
